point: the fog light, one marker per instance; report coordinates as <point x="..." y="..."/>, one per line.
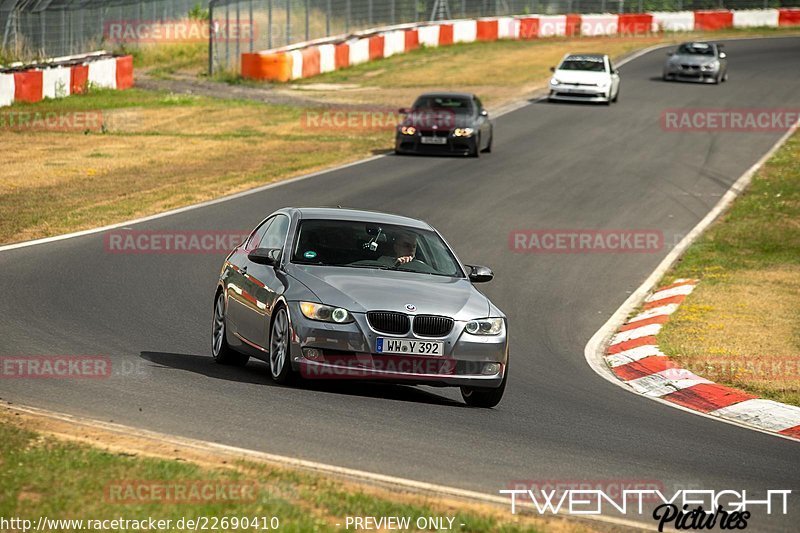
<point x="312" y="354"/>
<point x="491" y="368"/>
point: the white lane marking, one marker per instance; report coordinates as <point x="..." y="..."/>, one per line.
<point x="595" y="349"/>
<point x="666" y="382"/>
<point x="634" y="354"/>
<point x="390" y="482"/>
<point x="680" y="290"/>
<point x="655" y="311"/>
<point x="636" y="333"/>
<point x="766" y="414"/>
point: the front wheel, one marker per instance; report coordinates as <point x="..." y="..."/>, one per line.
<point x="220" y="350"/>
<point x="280" y="367"/>
<point x="485" y="398"/>
<point x="476" y="152"/>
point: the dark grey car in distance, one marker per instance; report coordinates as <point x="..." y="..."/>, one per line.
<point x="697" y="61"/>
<point x="330" y="293"/>
<point x="445" y="123"/>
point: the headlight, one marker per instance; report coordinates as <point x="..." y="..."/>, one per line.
<point x="485" y="326"/>
<point x="408" y="130"/>
<point x="604" y="84"/>
<point x="325" y="313"/>
<point x="554" y="81"/>
<point x="711" y="66"/>
<point x="463" y="132"/>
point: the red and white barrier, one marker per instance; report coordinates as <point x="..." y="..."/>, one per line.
<point x="57" y="81"/>
<point x="6" y="89"/>
<point x="673" y="20"/>
<point x="552" y="25"/>
<point x="789" y="16"/>
<point x="309" y="59"/>
<point x="754" y="18"/>
<point x="429" y="35"/>
<point x="394" y="42"/>
<point x="596" y="25"/>
<point x="465" y="31"/>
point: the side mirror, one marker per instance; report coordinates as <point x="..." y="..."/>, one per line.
<point x="484" y="113"/>
<point x="265" y="256"/>
<point x="723" y="55"/>
<point x="404" y="111"/>
<point x="552" y="69"/>
<point x="480" y="274"/>
<point x="616" y="71"/>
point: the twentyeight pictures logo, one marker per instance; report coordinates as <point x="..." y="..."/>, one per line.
<point x="681" y="509"/>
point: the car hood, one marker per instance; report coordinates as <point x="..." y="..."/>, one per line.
<point x="445" y="121"/>
<point x="691" y="59"/>
<point x="581" y="76"/>
<point x="364" y="289"/>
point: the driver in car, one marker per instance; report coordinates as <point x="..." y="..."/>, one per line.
<point x="405" y="248"/>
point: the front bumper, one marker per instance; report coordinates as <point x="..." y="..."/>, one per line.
<point x="698" y="74"/>
<point x="412" y="144"/>
<point x="347" y="351"/>
<point x="579" y="93"/>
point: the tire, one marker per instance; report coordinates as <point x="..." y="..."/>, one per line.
<point x="280" y="367"/>
<point x="616" y="97"/>
<point x="488" y="148"/>
<point x="484" y="398"/>
<point x="477" y="151"/>
<point x="220" y="350"/>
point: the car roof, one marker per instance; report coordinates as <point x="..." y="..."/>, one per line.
<point x="598" y="56"/>
<point x="448" y="94"/>
<point x="361" y="215"/>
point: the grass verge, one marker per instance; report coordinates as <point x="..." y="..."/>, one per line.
<point x="46" y="475"/>
<point x="741" y="325"/>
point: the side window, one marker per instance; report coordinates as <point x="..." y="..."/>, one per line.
<point x="479" y="105"/>
<point x="276" y="233"/>
<point x="258" y="234"/>
<point x="610" y="66"/>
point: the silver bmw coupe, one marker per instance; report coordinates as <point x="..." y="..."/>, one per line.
<point x="327" y="293"/>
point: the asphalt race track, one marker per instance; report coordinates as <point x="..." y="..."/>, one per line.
<point x="554" y="166"/>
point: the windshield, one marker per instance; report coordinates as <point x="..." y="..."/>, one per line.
<point x="592" y="64"/>
<point x="456" y="104"/>
<point x="696" y="49"/>
<point x="344" y="243"/>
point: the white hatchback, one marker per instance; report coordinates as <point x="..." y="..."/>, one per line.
<point x="585" y="78"/>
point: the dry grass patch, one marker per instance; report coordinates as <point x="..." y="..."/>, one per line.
<point x="744" y="332"/>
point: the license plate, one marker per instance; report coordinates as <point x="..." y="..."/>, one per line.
<point x="433" y="140"/>
<point x="408" y="346"/>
